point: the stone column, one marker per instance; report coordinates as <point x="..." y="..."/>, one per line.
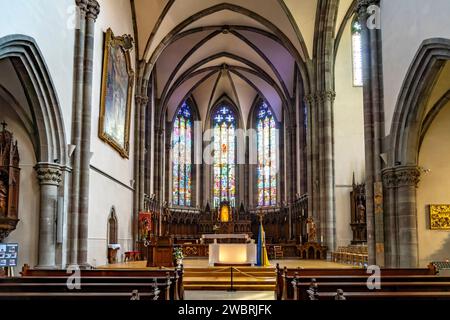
<point x="391" y="228"/>
<point x="159" y="133"/>
<point x="49" y="176"/>
<point x="93" y="9"/>
<point x="139" y="161"/>
<point x="311" y="158"/>
<point x="373" y="131"/>
<point x="76" y="130"/>
<point x="327" y="166"/>
<point x="407" y="179"/>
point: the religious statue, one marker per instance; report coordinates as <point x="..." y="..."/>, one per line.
<point x="311" y="230"/>
<point x="9" y="186"/>
<point x="3" y="198"/>
<point x="361" y="213"/>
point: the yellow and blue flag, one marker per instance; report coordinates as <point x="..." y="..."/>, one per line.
<point x="262" y="259"/>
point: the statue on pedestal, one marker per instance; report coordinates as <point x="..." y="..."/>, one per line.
<point x="311" y="229"/>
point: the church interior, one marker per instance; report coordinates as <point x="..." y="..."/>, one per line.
<point x="277" y="149"/>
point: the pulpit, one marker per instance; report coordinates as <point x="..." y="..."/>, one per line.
<point x="160" y="252"/>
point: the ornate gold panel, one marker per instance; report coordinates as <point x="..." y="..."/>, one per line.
<point x="440" y="217"/>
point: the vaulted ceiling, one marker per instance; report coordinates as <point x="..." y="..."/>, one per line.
<point x="239" y="48"/>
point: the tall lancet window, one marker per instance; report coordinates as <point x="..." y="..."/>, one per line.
<point x="224" y="164"/>
<point x="266" y="171"/>
<point x="357" y="53"/>
<point x="182" y="156"/>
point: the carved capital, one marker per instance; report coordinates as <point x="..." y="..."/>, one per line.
<point x="48" y="173"/>
<point x="389" y="178"/>
<point x="93" y="10"/>
<point x="362" y="5"/>
<point x="141" y="100"/>
<point x="326" y="96"/>
<point x="408" y="176"/>
<point x="310" y="99"/>
<point x="402" y="176"/>
<point x="82" y="4"/>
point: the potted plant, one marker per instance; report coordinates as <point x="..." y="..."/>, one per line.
<point x="178" y="256"/>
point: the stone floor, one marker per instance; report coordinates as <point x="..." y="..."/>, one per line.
<point x="224" y="295"/>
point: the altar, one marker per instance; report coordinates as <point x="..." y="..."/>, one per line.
<point x="231" y="253"/>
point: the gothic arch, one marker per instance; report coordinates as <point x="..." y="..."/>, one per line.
<point x="32" y="70"/>
<point x="410" y="109"/>
<point x="402" y="173"/>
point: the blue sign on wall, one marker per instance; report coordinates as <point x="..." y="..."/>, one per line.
<point x="8" y="254"/>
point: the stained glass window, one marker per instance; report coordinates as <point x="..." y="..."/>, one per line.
<point x="182" y="157"/>
<point x="357" y="53"/>
<point x="266" y="171"/>
<point x="224" y="164"/>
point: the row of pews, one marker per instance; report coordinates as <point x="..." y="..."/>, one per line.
<point x="95" y="284"/>
<point x="354" y="254"/>
<point x="357" y="284"/>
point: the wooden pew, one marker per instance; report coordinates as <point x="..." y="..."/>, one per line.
<point x="158" y="291"/>
<point x="112" y="276"/>
<point x="367" y="296"/>
<point x="285" y="277"/>
<point x="72" y="296"/>
<point x="300" y="290"/>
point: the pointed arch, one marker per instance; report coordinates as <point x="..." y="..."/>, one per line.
<point x="410" y="109"/>
<point x="33" y="72"/>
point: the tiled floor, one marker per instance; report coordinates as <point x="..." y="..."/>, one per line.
<point x="224" y="295"/>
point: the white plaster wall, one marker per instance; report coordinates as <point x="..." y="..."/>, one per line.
<point x="26" y="233"/>
<point x="348" y="135"/>
<point x="434" y="188"/>
<point x="405" y="25"/>
<point x="105" y="192"/>
<point x="105" y="195"/>
<point x="49" y="22"/>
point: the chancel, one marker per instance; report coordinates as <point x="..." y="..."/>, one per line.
<point x="197" y="147"/>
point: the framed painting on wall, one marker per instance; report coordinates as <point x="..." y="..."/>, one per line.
<point x="116" y="94"/>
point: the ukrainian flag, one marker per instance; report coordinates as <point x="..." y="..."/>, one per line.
<point x="262" y="259"/>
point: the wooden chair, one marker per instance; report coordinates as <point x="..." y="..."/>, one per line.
<point x="278" y="252"/>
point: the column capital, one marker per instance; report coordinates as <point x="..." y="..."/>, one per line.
<point x="82" y="4"/>
<point x="326" y="96"/>
<point x="141" y="100"/>
<point x="389" y="178"/>
<point x="48" y="173"/>
<point x="309" y="99"/>
<point x="401" y="176"/>
<point x="362" y="5"/>
<point x="408" y="176"/>
<point x="93" y="10"/>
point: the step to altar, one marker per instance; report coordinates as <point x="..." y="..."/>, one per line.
<point x="219" y="278"/>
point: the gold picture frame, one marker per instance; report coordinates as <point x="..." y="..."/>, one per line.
<point x="440" y="217"/>
<point x="116" y="92"/>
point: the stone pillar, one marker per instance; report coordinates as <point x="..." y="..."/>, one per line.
<point x="373" y="131"/>
<point x="49" y="176"/>
<point x="312" y="183"/>
<point x="159" y="133"/>
<point x="139" y="161"/>
<point x="76" y="130"/>
<point x="391" y="228"/>
<point x="407" y="180"/>
<point x="93" y="9"/>
<point x="327" y="167"/>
